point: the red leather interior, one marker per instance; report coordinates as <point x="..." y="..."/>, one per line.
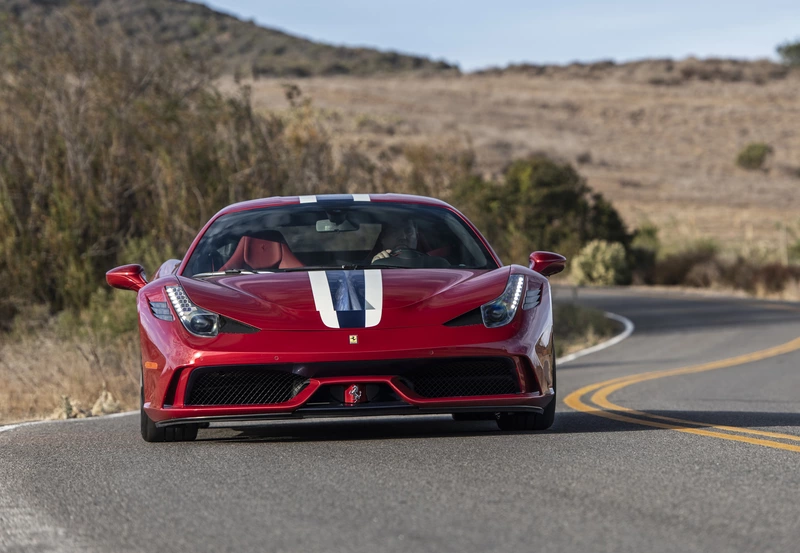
<point x="256" y="254"/>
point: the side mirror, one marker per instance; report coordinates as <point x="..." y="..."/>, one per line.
<point x="127" y="277"/>
<point x="547" y="263"/>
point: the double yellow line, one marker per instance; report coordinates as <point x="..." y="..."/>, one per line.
<point x="603" y="407"/>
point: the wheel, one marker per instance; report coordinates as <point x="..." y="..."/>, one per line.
<point x="151" y="433"/>
<point x="464" y="417"/>
<point x="531" y="421"/>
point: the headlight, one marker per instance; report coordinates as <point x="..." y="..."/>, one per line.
<point x="501" y="311"/>
<point x="195" y="319"/>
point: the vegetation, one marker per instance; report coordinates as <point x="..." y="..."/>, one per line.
<point x="541" y="202"/>
<point x="790" y="52"/>
<point x="229" y="44"/>
<point x="754" y="155"/>
<point x="600" y="263"/>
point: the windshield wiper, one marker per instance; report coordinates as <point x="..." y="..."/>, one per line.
<point x="229" y="272"/>
<point x="344" y="267"/>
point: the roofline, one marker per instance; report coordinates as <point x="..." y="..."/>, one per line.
<point x="276" y="201"/>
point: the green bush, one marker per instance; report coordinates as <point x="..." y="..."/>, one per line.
<point x="673" y="269"/>
<point x="790" y="53"/>
<point x="754" y="155"/>
<point x="541" y="204"/>
<point x="599" y="263"/>
<point x="112" y="146"/>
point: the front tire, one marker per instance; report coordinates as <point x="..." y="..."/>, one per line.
<point x="531" y="421"/>
<point x="151" y="433"/>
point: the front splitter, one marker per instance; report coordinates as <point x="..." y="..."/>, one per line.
<point x="359" y="410"/>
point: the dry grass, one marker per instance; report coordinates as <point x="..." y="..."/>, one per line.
<point x="46" y="374"/>
<point x="663" y="154"/>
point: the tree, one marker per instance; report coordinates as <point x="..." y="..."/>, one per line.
<point x="790" y="52"/>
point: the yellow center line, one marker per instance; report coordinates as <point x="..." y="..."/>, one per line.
<point x="612" y="411"/>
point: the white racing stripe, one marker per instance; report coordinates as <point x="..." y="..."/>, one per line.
<point x="308" y="199"/>
<point x="322" y="298"/>
<point x="360" y="197"/>
<point x="373" y="295"/>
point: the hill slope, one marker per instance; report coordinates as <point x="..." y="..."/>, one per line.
<point x="232" y="45"/>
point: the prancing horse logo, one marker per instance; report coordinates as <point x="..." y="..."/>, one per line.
<point x="355" y="394"/>
<point x="354" y="338"/>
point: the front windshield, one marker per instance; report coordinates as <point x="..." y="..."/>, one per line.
<point x="336" y="235"/>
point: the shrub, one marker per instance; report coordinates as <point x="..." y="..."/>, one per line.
<point x="673" y="269"/>
<point x="112" y="146"/>
<point x="753" y="156"/>
<point x="540" y="204"/>
<point x="600" y="263"/>
<point x="643" y="253"/>
<point x="790" y="52"/>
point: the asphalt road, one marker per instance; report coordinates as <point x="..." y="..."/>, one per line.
<point x="724" y="479"/>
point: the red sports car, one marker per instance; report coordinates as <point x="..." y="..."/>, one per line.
<point x="342" y="305"/>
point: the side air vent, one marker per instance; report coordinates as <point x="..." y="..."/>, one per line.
<point x="161" y="310"/>
<point x="469" y="318"/>
<point x="229" y="326"/>
<point x="532" y="298"/>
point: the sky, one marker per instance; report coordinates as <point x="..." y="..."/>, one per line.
<point x="481" y="33"/>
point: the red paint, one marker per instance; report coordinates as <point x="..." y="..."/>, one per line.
<point x="547" y="263"/>
<point x="127" y="277"/>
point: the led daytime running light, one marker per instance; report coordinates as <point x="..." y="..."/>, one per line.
<point x="195" y="319"/>
<point x="501" y="311"/>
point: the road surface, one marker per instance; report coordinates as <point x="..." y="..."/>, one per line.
<point x="683" y="437"/>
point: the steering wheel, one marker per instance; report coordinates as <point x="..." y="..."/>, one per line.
<point x="407" y="253"/>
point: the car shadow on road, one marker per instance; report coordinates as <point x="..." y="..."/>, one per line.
<point x="442" y="426"/>
<point x="581" y="423"/>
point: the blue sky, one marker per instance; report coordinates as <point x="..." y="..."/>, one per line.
<point x="477" y="34"/>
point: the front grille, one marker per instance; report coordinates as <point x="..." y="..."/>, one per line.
<point x="241" y="386"/>
<point x="473" y="376"/>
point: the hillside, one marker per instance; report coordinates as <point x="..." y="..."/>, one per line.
<point x="230" y="44"/>
<point x="663" y="154"/>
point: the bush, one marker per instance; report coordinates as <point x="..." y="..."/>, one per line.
<point x="643" y="253"/>
<point x="540" y="204"/>
<point x="673" y="269"/>
<point x="790" y="53"/>
<point x="754" y="155"/>
<point x="113" y="146"/>
<point x="600" y="263"/>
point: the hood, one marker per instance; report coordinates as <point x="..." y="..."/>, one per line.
<point x="315" y="300"/>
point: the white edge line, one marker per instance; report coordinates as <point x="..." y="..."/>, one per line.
<point x="10" y="427"/>
<point x="629" y="328"/>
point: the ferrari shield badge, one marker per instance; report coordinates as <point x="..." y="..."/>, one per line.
<point x="354" y="338"/>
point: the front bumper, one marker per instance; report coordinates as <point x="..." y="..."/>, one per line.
<point x="407" y="401"/>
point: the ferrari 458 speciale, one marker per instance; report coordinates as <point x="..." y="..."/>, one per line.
<point x="342" y="305"/>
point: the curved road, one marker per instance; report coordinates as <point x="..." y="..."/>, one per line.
<point x="680" y="438"/>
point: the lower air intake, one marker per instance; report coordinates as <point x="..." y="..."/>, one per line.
<point x="241" y="386"/>
<point x="474" y="376"/>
